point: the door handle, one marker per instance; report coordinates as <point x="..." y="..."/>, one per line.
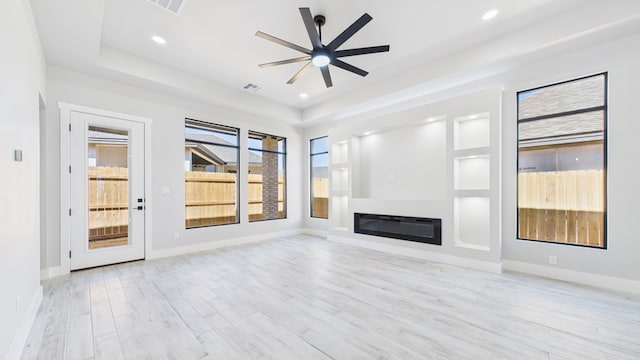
<point x="140" y="207"/>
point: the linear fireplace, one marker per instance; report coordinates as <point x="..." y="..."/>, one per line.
<point x="423" y="230"/>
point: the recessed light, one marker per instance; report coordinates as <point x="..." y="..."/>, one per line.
<point x="490" y="14"/>
<point x="368" y="133"/>
<point x="158" y="39"/>
<point x="304" y="95"/>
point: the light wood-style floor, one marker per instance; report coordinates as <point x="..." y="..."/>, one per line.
<point x="307" y="298"/>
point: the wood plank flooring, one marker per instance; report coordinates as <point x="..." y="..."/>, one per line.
<point x="306" y="298"/>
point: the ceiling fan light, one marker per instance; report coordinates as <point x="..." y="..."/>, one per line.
<point x="321" y="59"/>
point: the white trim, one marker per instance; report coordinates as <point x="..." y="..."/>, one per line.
<point x="17" y="345"/>
<point x="65" y="180"/>
<point x="210" y="245"/>
<point x="65" y="186"/>
<point x="421" y="254"/>
<point x="314" y="232"/>
<point x="52" y="272"/>
<point x="578" y="277"/>
<point x="102" y="112"/>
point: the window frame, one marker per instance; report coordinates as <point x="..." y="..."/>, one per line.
<point x="284" y="169"/>
<point x="605" y="137"/>
<point x="206" y="125"/>
<point x="311" y="155"/>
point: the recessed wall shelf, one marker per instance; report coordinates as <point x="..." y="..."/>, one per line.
<point x="339" y="185"/>
<point x="471" y="131"/>
<point x="472" y="222"/>
<point x="471" y="173"/>
<point x="472" y="193"/>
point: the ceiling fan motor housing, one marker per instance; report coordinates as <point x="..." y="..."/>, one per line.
<point x="322" y="55"/>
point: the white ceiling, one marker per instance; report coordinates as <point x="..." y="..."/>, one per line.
<point x="212" y="50"/>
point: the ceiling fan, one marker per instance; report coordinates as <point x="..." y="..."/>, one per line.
<point x="322" y="55"/>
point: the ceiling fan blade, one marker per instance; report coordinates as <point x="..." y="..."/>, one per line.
<point x="283" y="62"/>
<point x="361" y="51"/>
<point x="345" y="35"/>
<point x="300" y="73"/>
<point x="283" y="42"/>
<point x="343" y="65"/>
<point x="311" y="27"/>
<point x="327" y="76"/>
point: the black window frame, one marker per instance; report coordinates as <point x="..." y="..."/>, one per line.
<point x="206" y="125"/>
<point x="257" y="134"/>
<point x="605" y="111"/>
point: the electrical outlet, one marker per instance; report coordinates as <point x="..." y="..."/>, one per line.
<point x="176" y="235"/>
<point x="553" y="260"/>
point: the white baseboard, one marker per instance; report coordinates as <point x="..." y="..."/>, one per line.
<point x="53" y="271"/>
<point x="600" y="281"/>
<point x="314" y="232"/>
<point x="421" y="254"/>
<point x="15" y="351"/>
<point x="181" y="250"/>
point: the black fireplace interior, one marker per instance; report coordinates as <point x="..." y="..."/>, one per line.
<point x="423" y="230"/>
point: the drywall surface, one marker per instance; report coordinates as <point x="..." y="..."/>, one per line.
<point x="408" y="163"/>
<point x="22" y="72"/>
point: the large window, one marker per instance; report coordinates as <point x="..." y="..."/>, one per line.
<point x="319" y="160"/>
<point x="267" y="177"/>
<point x="562" y="134"/>
<point x="211" y="174"/>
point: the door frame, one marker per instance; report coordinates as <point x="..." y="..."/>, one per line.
<point x="65" y="177"/>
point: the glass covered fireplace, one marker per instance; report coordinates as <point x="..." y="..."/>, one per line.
<point x="423" y="230"/>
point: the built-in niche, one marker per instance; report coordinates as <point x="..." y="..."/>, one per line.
<point x="471" y="172"/>
<point x="472" y="222"/>
<point x="472" y="181"/>
<point x="471" y="131"/>
<point x="339" y="185"/>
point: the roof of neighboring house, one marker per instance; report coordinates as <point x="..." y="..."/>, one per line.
<point x="100" y="137"/>
<point x="216" y="154"/>
<point x="227" y="155"/>
<point x="573" y="95"/>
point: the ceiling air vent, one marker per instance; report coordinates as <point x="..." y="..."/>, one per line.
<point x="172" y="5"/>
<point x="252" y="87"/>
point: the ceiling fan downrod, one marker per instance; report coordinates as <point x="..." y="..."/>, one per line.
<point x="320" y="21"/>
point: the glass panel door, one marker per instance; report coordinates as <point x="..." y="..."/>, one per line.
<point x="107" y="183"/>
<point x="108" y="180"/>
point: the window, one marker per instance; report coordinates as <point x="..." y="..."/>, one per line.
<point x="562" y="135"/>
<point x="211" y="174"/>
<point x="267" y="177"/>
<point x="319" y="160"/>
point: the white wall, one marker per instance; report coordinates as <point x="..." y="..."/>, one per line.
<point x="167" y="156"/>
<point x="22" y="71"/>
<point x="408" y="163"/>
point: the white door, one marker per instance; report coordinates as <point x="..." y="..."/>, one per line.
<point x="107" y="190"/>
